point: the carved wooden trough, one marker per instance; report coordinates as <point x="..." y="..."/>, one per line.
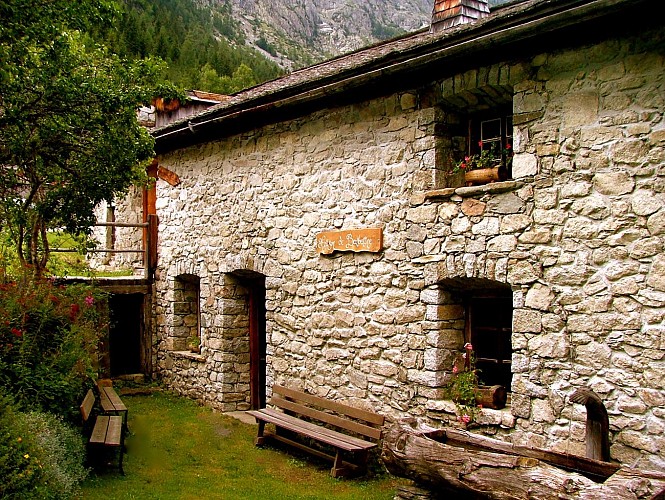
<point x="459" y="464"/>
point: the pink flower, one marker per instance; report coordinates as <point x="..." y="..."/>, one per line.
<point x="464" y="418"/>
<point x="74" y="311"/>
<point x="468" y="346"/>
<point x="90" y="300"/>
<point x="455" y="369"/>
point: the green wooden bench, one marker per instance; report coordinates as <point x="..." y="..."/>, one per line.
<point x="105" y="431"/>
<point x="350" y="431"/>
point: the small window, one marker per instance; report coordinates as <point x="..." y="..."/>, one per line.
<point x="489" y="329"/>
<point x="186" y="312"/>
<point x="492" y="131"/>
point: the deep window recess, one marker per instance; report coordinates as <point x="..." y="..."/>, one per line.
<point x="489" y="328"/>
<point x="186" y="312"/>
<point x="492" y="131"/>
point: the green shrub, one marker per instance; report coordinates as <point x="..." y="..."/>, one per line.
<point x="40" y="456"/>
<point x="19" y="468"/>
<point x="48" y="342"/>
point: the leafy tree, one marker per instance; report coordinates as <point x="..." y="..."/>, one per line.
<point x="243" y="77"/>
<point x="69" y="135"/>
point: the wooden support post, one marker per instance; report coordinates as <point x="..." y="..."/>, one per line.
<point x="259" y="434"/>
<point x="597" y="424"/>
<point x="151" y="246"/>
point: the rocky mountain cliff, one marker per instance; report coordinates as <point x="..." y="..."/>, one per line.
<point x="295" y="33"/>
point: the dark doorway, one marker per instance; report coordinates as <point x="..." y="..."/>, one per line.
<point x="257" y="341"/>
<point x="126" y="315"/>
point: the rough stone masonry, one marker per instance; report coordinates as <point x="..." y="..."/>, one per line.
<point x="577" y="235"/>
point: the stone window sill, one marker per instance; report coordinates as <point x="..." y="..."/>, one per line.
<point x="189" y="355"/>
<point x="484" y="416"/>
<point x="466" y="192"/>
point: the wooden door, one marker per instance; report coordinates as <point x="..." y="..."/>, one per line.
<point x="257" y="342"/>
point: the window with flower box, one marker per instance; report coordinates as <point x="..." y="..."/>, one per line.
<point x="489" y="141"/>
<point x="472" y="135"/>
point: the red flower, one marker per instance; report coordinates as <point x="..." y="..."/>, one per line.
<point x="480" y="144"/>
<point x="509" y="146"/>
<point x="73" y="311"/>
<point x="17" y="332"/>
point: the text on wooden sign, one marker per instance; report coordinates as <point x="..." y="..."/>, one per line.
<point x="350" y="240"/>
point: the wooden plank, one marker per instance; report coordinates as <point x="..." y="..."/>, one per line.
<point x="569" y="462"/>
<point x="318" y="429"/>
<point x="313" y="451"/>
<point x="328" y="418"/>
<point x="313" y="431"/>
<point x="328" y="436"/>
<point x="114" y="431"/>
<point x="98" y="435"/>
<point x="106" y="404"/>
<point x="367" y="416"/>
<point x="86" y="406"/>
<point x="114" y="399"/>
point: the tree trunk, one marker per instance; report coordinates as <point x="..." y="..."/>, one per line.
<point x="482" y="472"/>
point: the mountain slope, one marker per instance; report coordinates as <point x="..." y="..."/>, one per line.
<point x="295" y="33"/>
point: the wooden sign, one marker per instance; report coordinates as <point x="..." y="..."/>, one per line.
<point x="350" y="240"/>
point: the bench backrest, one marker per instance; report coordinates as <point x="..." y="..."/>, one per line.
<point x="356" y="420"/>
<point x="86" y="406"/>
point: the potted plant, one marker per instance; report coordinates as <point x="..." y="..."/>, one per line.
<point x="490" y="165"/>
<point x="462" y="388"/>
<point x="465" y="389"/>
<point x="194" y="344"/>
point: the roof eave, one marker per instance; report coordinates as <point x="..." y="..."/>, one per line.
<point x="521" y="22"/>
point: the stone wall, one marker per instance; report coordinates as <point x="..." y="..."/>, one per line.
<point x="577" y="236"/>
<point x="129" y="211"/>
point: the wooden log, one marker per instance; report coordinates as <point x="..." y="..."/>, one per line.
<point x="494" y="396"/>
<point x="481" y="472"/>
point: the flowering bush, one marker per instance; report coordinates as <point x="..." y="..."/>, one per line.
<point x="40" y="456"/>
<point x="462" y="388"/>
<point x="48" y="343"/>
<point x="487" y="158"/>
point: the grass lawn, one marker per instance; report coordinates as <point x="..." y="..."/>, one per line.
<point x="179" y="450"/>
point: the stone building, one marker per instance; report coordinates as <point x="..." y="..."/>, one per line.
<point x="556" y="275"/>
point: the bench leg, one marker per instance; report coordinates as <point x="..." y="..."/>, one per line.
<point x="121" y="451"/>
<point x="338" y="469"/>
<point x="260" y="439"/>
<point x="363" y="458"/>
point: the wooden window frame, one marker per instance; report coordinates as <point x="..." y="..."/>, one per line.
<point x="478" y="140"/>
<point x="494" y="362"/>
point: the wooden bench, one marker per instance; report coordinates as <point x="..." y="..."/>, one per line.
<point x="106" y="431"/>
<point x="111" y="403"/>
<point x="314" y="417"/>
